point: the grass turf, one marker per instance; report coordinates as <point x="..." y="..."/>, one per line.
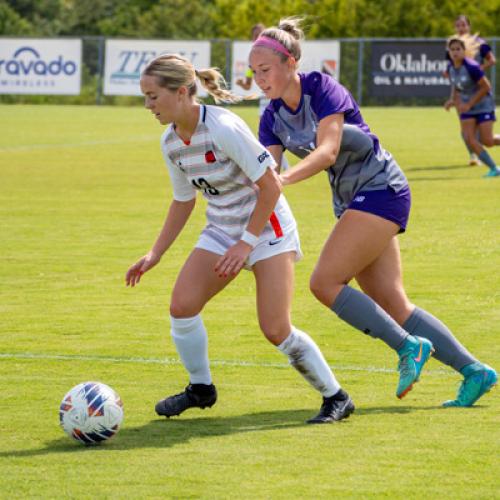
<point x="84" y="193"/>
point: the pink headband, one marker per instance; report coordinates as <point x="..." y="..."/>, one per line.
<point x="271" y="43"/>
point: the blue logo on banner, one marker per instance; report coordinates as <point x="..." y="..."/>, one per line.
<point x="32" y="64"/>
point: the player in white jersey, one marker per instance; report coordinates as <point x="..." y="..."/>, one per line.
<point x="249" y="224"/>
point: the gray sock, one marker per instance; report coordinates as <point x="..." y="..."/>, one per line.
<point x="487" y="159"/>
<point x="448" y="349"/>
<point x="363" y="313"/>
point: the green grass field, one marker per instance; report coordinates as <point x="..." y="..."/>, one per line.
<point x="83" y="195"/>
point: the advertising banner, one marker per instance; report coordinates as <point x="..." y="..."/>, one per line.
<point x="408" y="69"/>
<point x="40" y="66"/>
<point x="125" y="59"/>
<point x="318" y="55"/>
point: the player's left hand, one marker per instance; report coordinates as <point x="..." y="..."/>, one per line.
<point x="231" y="263"/>
<point x="463" y="107"/>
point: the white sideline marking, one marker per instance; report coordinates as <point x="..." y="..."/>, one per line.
<point x="174" y="361"/>
<point x="83" y="144"/>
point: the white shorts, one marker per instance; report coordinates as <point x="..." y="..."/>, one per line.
<point x="217" y="241"/>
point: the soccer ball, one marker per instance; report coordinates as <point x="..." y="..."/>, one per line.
<point x="91" y="412"/>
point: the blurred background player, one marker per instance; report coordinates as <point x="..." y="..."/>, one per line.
<point x="249" y="224"/>
<point x="317" y="119"/>
<point x="246" y="84"/>
<point x="471" y="95"/>
<point x="484" y="56"/>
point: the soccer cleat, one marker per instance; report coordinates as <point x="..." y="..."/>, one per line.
<point x="334" y="408"/>
<point x="478" y="380"/>
<point x="194" y="396"/>
<point x="493" y="172"/>
<point x="474" y="161"/>
<point x="412" y="357"/>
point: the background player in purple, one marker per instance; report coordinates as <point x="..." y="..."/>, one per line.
<point x="484" y="56"/>
<point x="471" y="95"/>
<point x="317" y="119"/>
<point x="249" y="224"/>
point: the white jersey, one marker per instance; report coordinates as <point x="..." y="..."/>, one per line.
<point x="223" y="160"/>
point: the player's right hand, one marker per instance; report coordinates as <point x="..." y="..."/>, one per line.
<point x="144" y="264"/>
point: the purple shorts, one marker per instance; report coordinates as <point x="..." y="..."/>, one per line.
<point x="480" y="117"/>
<point x="385" y="203"/>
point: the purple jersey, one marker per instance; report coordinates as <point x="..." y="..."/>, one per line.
<point x="465" y="81"/>
<point x="321" y="96"/>
<point x="483" y="51"/>
<point x="361" y="163"/>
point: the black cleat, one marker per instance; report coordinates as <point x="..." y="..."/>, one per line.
<point x="194" y="396"/>
<point x="336" y="407"/>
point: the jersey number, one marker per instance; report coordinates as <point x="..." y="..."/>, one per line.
<point x="201" y="183"/>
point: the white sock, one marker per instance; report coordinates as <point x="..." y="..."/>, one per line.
<point x="191" y="341"/>
<point x="304" y="355"/>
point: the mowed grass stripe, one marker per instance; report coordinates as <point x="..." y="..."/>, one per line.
<point x="214" y="362"/>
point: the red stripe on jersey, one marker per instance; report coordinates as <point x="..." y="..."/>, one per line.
<point x="275" y="223"/>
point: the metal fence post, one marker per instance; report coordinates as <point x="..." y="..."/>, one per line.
<point x="229" y="61"/>
<point x="493" y="73"/>
<point x="100" y="71"/>
<point x="361" y="49"/>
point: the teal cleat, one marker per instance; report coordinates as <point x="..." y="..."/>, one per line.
<point x="478" y="380"/>
<point x="493" y="172"/>
<point x="412" y="357"/>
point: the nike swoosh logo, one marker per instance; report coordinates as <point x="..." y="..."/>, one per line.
<point x="419" y="357"/>
<point x="275" y="242"/>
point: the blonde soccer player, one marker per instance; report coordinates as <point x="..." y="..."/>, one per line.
<point x="317" y="119"/>
<point x="209" y="149"/>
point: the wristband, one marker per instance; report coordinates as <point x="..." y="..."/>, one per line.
<point x="249" y="238"/>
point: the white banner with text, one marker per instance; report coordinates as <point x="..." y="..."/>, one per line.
<point x="40" y="66"/>
<point x="125" y="60"/>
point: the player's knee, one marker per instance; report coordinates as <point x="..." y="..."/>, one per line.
<point x="275" y="330"/>
<point x="469" y="139"/>
<point x="323" y="289"/>
<point x="489" y="142"/>
<point x="180" y="308"/>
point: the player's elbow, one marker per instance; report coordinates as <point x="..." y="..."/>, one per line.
<point x="329" y="157"/>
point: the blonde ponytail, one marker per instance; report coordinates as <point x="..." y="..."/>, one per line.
<point x="211" y="81"/>
<point x="174" y="71"/>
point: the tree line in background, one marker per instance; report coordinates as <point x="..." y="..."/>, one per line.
<point x="208" y="19"/>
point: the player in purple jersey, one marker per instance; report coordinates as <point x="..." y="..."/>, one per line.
<point x="317" y="119"/>
<point x="471" y="95"/>
<point x="249" y="224"/>
<point x="484" y="56"/>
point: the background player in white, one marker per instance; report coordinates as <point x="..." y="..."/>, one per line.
<point x="249" y="224"/>
<point x="317" y="119"/>
<point x="246" y="83"/>
<point x="472" y="97"/>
